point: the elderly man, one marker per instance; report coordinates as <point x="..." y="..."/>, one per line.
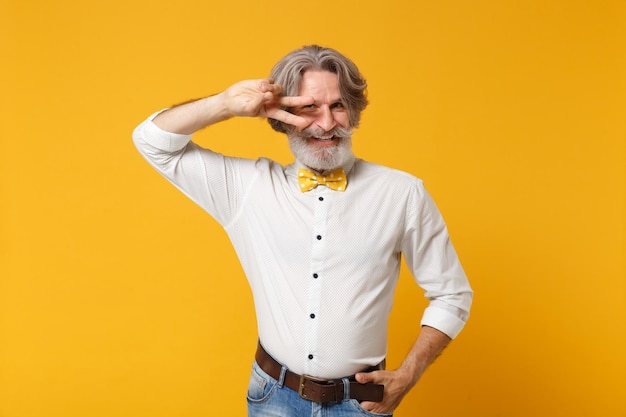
<point x="320" y="240"/>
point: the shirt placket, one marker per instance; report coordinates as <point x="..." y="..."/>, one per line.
<point x="316" y="278"/>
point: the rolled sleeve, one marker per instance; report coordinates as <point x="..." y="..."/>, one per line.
<point x="150" y="134"/>
<point x="443" y="320"/>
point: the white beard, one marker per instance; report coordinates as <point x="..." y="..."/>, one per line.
<point x="321" y="159"/>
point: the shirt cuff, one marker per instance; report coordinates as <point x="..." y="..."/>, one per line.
<point x="162" y="139"/>
<point x="442" y="320"/>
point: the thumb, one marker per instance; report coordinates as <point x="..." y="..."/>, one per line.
<point x="364" y="377"/>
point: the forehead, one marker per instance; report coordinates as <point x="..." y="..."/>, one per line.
<point x="320" y="84"/>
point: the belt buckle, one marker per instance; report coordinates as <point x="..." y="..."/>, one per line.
<point x="303" y="383"/>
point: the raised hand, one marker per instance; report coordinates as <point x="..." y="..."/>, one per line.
<point x="250" y="98"/>
<point x="263" y="98"/>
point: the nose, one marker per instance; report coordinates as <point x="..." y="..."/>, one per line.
<point x="326" y="120"/>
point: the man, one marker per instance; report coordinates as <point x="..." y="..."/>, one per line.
<point x="320" y="240"/>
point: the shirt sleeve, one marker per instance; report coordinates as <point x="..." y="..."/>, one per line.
<point x="213" y="181"/>
<point x="435" y="265"/>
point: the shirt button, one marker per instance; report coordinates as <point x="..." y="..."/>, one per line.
<point x="321" y="199"/>
<point x="319" y="237"/>
<point x="310" y="356"/>
<point x="315" y="275"/>
<point x="312" y="316"/>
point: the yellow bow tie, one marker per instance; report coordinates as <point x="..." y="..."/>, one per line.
<point x="335" y="180"/>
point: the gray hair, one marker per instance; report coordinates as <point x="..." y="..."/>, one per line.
<point x="352" y="86"/>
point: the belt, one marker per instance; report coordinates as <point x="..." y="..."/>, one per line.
<point x="321" y="390"/>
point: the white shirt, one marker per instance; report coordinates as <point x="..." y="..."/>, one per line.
<point x="323" y="264"/>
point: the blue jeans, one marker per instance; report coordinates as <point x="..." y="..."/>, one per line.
<point x="268" y="397"/>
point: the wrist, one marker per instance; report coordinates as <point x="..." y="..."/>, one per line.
<point x="218" y="105"/>
<point x="410" y="374"/>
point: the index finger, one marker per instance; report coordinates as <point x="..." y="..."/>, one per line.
<point x="295" y="101"/>
<point x="289" y="118"/>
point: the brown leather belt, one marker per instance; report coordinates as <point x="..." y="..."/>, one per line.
<point x="321" y="390"/>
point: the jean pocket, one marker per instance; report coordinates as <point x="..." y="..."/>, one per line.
<point x="363" y="411"/>
<point x="261" y="386"/>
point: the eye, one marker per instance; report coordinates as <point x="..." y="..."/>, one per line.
<point x="309" y="108"/>
<point x="337" y="106"/>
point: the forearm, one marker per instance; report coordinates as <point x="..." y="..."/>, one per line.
<point x="429" y="344"/>
<point x="192" y="116"/>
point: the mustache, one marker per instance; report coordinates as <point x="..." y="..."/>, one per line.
<point x="337" y="131"/>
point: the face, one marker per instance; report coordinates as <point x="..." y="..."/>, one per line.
<point x="326" y="142"/>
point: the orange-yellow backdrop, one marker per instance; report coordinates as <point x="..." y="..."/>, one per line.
<point x="119" y="297"/>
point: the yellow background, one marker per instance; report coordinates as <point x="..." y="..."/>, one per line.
<point x="119" y="297"/>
